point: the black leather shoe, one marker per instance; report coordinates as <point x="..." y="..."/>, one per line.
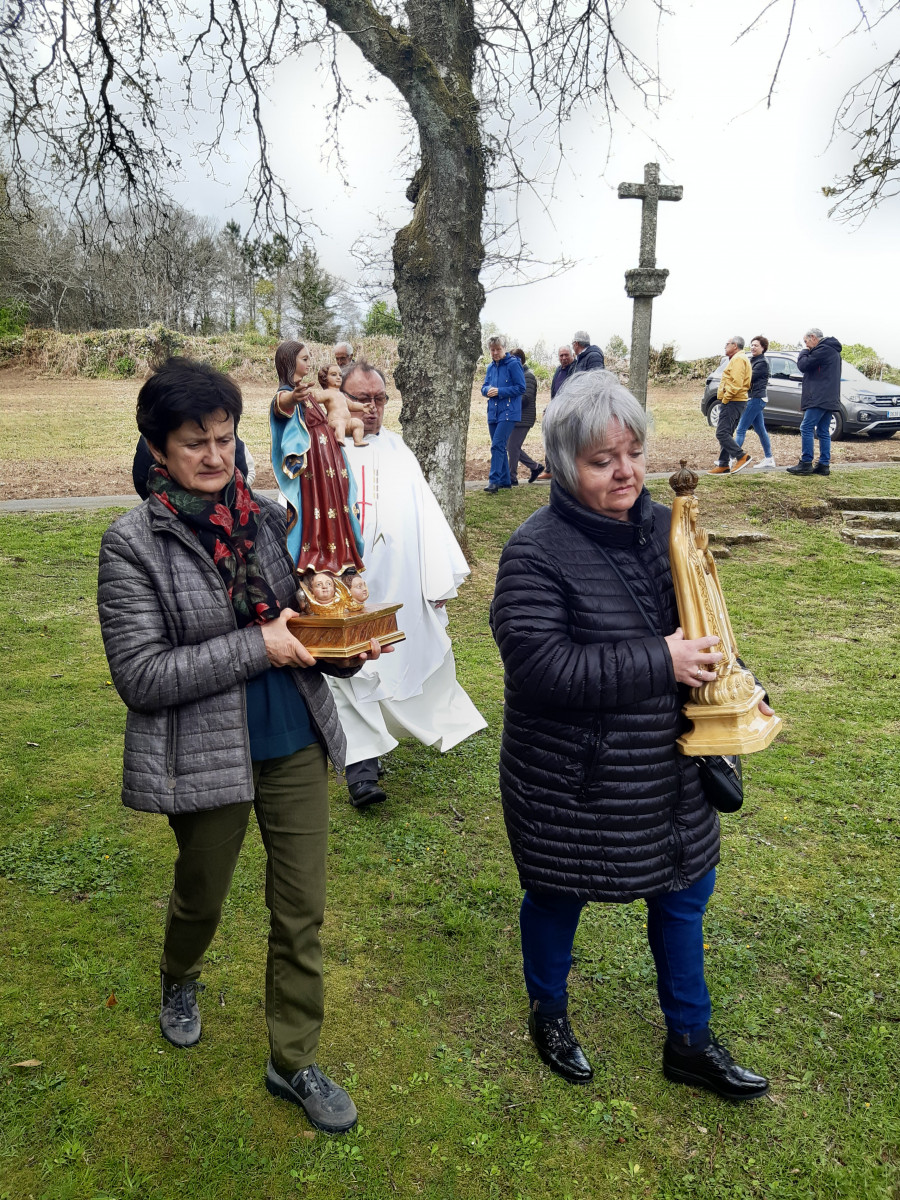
<point x="515" y="483"/>
<point x="535" y="472"/>
<point x="802" y="468"/>
<point x="715" y="1069"/>
<point x="821" y="469"/>
<point x="558" y="1047"/>
<point x="366" y="792"/>
<point x="492" y="487"/>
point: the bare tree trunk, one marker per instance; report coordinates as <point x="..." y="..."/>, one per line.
<point x="438" y="255"/>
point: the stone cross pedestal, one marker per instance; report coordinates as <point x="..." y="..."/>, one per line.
<point x="647" y="280"/>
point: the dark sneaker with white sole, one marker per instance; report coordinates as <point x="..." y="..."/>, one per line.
<point x="327" y="1106"/>
<point x="179" y="1016"/>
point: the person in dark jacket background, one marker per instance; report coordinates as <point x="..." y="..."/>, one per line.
<point x="598" y="804"/>
<point x="820" y="399"/>
<point x="504" y="386"/>
<point x="754" y="415"/>
<point x="563" y="371"/>
<point x="588" y="357"/>
<point x="514" y="450"/>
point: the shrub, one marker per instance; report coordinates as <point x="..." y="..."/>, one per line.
<point x="13" y="318"/>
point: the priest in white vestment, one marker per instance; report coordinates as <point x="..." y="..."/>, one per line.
<point x="411" y="556"/>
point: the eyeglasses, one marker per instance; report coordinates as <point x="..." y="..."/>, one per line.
<point x="379" y="400"/>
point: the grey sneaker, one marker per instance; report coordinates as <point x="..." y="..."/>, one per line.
<point x="327" y="1106"/>
<point x="179" y="1016"/>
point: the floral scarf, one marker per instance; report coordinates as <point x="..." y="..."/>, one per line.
<point x="227" y="531"/>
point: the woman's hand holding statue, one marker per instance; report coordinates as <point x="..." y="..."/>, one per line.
<point x="284" y="650"/>
<point x="692" y="659"/>
<point x="688" y="659"/>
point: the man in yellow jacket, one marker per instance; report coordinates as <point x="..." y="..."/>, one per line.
<point x="733" y="390"/>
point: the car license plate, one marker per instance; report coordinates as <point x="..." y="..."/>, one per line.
<point x="892" y="414"/>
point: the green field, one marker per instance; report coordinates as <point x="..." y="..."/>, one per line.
<point x="425" y="1002"/>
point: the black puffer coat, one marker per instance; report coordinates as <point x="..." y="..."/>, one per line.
<point x="598" y="803"/>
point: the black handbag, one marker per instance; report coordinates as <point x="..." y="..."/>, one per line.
<point x="723" y="780"/>
<point x="721" y="775"/>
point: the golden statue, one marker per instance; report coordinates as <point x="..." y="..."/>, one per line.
<point x="725" y="712"/>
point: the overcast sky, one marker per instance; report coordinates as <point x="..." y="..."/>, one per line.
<point x="750" y="248"/>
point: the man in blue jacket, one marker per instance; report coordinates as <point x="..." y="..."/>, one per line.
<point x="504" y="386"/>
<point x="820" y="399"/>
<point x="588" y="357"/>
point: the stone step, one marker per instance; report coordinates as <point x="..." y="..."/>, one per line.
<point x="740" y="537"/>
<point x="865" y="503"/>
<point x="872" y="541"/>
<point x="872" y="520"/>
<point x="890" y="558"/>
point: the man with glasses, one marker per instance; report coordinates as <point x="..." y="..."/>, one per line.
<point x="411" y="556"/>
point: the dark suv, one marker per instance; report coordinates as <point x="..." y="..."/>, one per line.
<point x="867" y="406"/>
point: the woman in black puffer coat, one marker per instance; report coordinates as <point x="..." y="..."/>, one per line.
<point x="598" y="803"/>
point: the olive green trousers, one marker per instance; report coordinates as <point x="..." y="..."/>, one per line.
<point x="291" y="803"/>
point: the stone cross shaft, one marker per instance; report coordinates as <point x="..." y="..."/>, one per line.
<point x="647" y="280"/>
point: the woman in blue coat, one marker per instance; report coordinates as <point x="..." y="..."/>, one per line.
<point x="504" y="387"/>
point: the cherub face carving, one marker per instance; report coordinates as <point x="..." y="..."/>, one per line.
<point x="322" y="587"/>
<point x="358" y="589"/>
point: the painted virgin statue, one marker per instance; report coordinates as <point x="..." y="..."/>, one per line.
<point x="323" y="532"/>
<point x="312" y="472"/>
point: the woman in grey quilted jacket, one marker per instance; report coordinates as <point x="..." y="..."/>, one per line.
<point x="227" y="711"/>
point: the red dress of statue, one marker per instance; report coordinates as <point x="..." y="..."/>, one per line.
<point x="312" y="473"/>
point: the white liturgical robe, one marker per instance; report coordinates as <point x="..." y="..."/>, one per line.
<point x="411" y="556"/>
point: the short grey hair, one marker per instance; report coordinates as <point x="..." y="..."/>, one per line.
<point x="567" y="346"/>
<point x="814" y="332"/>
<point x="344" y="346"/>
<point x="737" y="340"/>
<point x="363" y="366"/>
<point x="582" y="337"/>
<point x="499" y="339"/>
<point x="579" y="419"/>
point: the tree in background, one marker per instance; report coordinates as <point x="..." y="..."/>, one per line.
<point x="312" y="294"/>
<point x="276" y="258"/>
<point x="91" y="115"/>
<point x="380" y="319"/>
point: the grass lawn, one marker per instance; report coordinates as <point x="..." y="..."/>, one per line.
<point x="425" y="1001"/>
<point x="76" y="437"/>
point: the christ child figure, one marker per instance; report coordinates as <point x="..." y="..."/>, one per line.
<point x="340" y="407"/>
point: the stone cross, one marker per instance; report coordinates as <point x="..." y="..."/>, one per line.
<point x="647" y="280"/>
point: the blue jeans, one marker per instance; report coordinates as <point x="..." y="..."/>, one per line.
<point x="674" y="931"/>
<point x="500" y="432"/>
<point x="816" y="423"/>
<point x="754" y="417"/>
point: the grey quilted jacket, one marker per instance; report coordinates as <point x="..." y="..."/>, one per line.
<point x="180" y="663"/>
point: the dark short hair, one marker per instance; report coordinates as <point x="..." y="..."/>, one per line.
<point x="286" y="360"/>
<point x="520" y="355"/>
<point x="763" y="341"/>
<point x="363" y="366"/>
<point x="183" y="389"/>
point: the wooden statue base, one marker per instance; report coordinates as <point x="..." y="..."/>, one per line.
<point x="341" y="640"/>
<point x="732" y="728"/>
